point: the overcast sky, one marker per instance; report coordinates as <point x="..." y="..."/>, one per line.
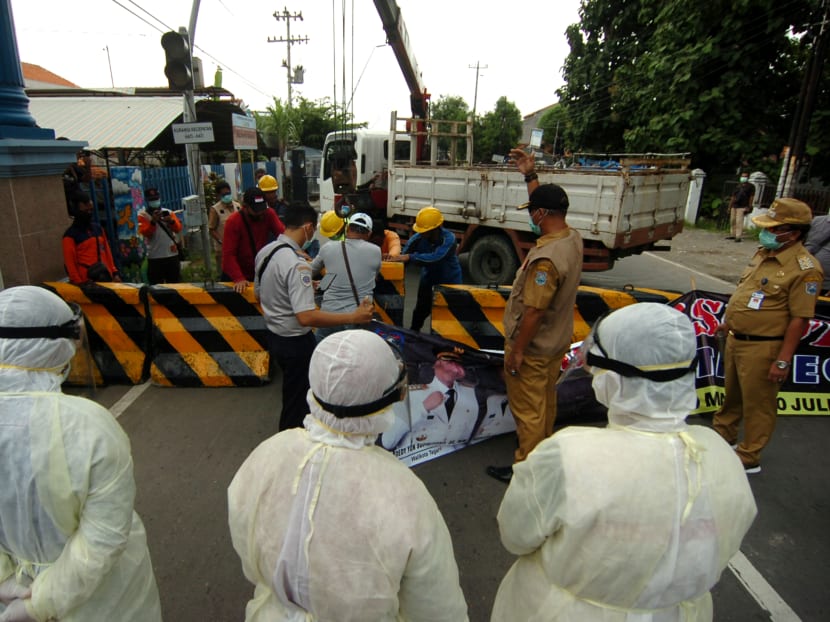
<point x="523" y="47"/>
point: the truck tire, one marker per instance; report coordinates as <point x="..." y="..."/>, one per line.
<point x="493" y="261"/>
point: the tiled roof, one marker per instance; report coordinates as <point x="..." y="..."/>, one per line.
<point x="36" y="76"/>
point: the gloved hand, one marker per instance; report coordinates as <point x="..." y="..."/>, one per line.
<point x="16" y="612"/>
<point x="10" y="590"/>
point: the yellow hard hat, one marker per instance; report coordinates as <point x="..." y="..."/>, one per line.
<point x="428" y="219"/>
<point x="331" y="224"/>
<point x="267" y="183"/>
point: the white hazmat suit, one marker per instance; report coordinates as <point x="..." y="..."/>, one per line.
<point x="634" y="522"/>
<point x="328" y="525"/>
<point x="68" y="532"/>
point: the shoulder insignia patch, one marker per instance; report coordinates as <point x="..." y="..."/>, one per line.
<point x="805" y="262"/>
<point x="541" y="277"/>
<point x="812" y="288"/>
<point x="305" y="279"/>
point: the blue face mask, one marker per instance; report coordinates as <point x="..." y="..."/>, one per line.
<point x="769" y="240"/>
<point x="308" y="242"/>
<point x="536" y="229"/>
<point x="154" y="204"/>
<point x="227" y="199"/>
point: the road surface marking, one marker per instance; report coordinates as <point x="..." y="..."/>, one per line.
<point x="688" y="269"/>
<point x="760" y="590"/>
<point x="127" y="400"/>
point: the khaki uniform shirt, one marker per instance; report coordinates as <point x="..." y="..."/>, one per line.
<point x="547" y="280"/>
<point x="774" y="289"/>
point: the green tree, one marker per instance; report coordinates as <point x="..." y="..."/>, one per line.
<point x="719" y="79"/>
<point x="306" y="123"/>
<point x="497" y="131"/>
<point x="449" y="108"/>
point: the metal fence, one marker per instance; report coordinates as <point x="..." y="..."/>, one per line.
<point x="816" y="197"/>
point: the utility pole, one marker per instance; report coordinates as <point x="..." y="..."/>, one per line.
<point x="295" y="74"/>
<point x="477" y="67"/>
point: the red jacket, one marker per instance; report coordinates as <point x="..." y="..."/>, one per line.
<point x="80" y="252"/>
<point x="238" y="252"/>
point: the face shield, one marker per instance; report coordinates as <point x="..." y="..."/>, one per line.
<point x="643" y="359"/>
<point x="355" y="376"/>
<point x="38" y="331"/>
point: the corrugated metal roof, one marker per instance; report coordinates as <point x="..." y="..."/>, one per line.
<point x="107" y="122"/>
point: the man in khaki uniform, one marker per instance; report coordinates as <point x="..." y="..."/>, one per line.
<point x="538" y="318"/>
<point x="765" y="318"/>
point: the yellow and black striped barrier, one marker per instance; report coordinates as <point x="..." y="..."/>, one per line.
<point x="116" y="316"/>
<point x="389" y="293"/>
<point x="475" y="315"/>
<point x="207" y="337"/>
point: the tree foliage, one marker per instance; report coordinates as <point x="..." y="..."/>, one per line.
<point x="719" y="79"/>
<point x="306" y="123"/>
<point x="497" y="131"/>
<point x="449" y="108"/>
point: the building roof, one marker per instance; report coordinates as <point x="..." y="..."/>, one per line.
<point x="107" y="122"/>
<point x="35" y="76"/>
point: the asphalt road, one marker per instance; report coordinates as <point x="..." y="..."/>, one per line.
<point x="188" y="443"/>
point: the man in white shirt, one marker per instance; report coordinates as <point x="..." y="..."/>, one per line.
<point x="351" y="266"/>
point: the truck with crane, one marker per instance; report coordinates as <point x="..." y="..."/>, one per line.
<point x="622" y="205"/>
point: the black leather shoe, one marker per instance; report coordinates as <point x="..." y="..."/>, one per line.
<point x="503" y="474"/>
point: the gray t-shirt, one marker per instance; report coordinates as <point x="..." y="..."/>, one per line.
<point x="364" y="260"/>
<point x="285" y="289"/>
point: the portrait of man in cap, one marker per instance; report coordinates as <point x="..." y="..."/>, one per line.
<point x="442" y="410"/>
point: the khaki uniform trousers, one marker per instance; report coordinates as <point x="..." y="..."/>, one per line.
<point x="749" y="397"/>
<point x="532" y="398"/>
<point x="736" y="221"/>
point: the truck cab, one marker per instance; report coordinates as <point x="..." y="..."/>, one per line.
<point x="372" y="150"/>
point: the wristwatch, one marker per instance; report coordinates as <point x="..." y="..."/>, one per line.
<point x="782" y="364"/>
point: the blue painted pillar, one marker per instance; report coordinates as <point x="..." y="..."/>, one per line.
<point x="15" y="119"/>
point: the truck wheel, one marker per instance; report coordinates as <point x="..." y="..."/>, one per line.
<point x="493" y="261"/>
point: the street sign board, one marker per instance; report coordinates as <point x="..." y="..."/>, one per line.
<point x="244" y="131"/>
<point x="197" y="132"/>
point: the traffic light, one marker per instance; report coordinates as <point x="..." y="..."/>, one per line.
<point x="178" y="67"/>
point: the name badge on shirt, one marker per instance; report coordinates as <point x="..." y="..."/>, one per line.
<point x="755" y="300"/>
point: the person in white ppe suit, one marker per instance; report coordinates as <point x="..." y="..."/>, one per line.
<point x="71" y="546"/>
<point x="634" y="522"/>
<point x="328" y="525"/>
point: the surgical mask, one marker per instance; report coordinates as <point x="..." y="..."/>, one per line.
<point x="769" y="240"/>
<point x="308" y="241"/>
<point x="744" y="179"/>
<point x="154" y="204"/>
<point x="227" y="199"/>
<point x="536" y="229"/>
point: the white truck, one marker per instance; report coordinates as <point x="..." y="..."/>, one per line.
<point x="620" y="209"/>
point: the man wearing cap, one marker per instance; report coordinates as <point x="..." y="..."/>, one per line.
<point x="434" y="249"/>
<point x="246" y="232"/>
<point x="159" y="227"/>
<point x="765" y="318"/>
<point x="538" y="318"/>
<point x="85" y="247"/>
<point x="351" y="267"/>
<point x="284" y="288"/>
<point x="442" y="411"/>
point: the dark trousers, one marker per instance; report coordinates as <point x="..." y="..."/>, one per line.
<point x="165" y="270"/>
<point x="423" y="305"/>
<point x="293" y="355"/>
